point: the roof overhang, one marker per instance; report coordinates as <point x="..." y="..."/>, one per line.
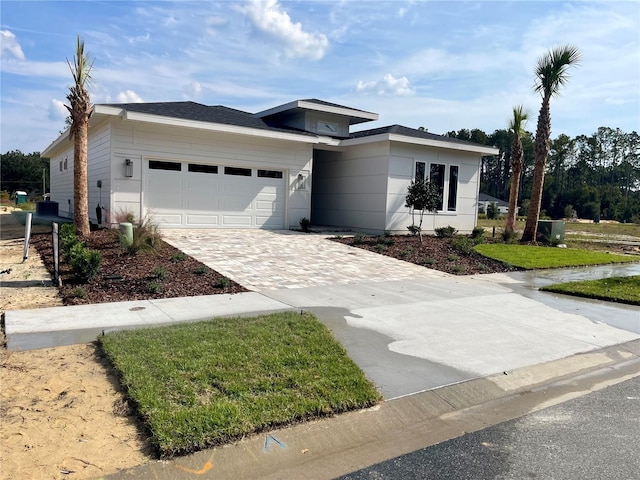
<point x="356" y="116"/>
<point x="428" y="142"/>
<point x="102" y="112"/>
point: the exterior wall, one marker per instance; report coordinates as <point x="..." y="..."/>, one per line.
<point x="98" y="168"/>
<point x="401" y="173"/>
<point x="349" y="187"/>
<point x="140" y="142"/>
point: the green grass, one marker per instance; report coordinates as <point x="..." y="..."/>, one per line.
<point x="201" y="384"/>
<point x="614" y="289"/>
<point x="531" y="257"/>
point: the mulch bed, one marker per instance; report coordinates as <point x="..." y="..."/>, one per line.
<point x="434" y="252"/>
<point x="124" y="277"/>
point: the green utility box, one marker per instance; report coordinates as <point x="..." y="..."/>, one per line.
<point x="21" y="197"/>
<point x="551" y="231"/>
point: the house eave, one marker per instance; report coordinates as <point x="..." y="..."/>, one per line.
<point x="355" y="116"/>
<point x="393" y="137"/>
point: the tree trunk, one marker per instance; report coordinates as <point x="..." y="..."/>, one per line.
<point x="513" y="198"/>
<point x="543" y="132"/>
<point x="80" y="190"/>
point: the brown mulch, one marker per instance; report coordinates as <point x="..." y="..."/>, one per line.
<point x="434" y="252"/>
<point x="124" y="277"/>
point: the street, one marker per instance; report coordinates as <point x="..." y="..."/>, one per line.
<point x="592" y="437"/>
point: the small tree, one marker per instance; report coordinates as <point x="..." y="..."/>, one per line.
<point x="493" y="212"/>
<point x="422" y="196"/>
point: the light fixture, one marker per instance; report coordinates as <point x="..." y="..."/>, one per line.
<point x="300" y="185"/>
<point x="128" y="168"/>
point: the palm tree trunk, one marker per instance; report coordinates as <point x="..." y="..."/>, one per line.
<point x="543" y="133"/>
<point x="80" y="193"/>
<point x="513" y="197"/>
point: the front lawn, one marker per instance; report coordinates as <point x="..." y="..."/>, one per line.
<point x="614" y="289"/>
<point x="197" y="385"/>
<point x="532" y="257"/>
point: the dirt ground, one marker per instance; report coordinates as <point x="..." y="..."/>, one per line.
<point x="61" y="413"/>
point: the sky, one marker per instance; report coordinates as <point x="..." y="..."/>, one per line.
<point x="441" y="65"/>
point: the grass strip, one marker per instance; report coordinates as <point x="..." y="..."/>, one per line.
<point x="198" y="385"/>
<point x="613" y="289"/>
<point x="533" y="257"/>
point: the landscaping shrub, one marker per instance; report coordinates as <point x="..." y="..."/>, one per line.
<point x="462" y="244"/>
<point x="445" y="232"/>
<point x="493" y="212"/>
<point x="358" y="238"/>
<point x="305" y="223"/>
<point x="477" y="232"/>
<point x="146" y="237"/>
<point x="85" y="262"/>
<point x="509" y="236"/>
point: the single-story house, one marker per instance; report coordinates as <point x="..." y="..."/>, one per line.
<point x="484" y="200"/>
<point x="188" y="165"/>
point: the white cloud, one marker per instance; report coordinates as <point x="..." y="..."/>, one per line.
<point x="193" y="90"/>
<point x="268" y="17"/>
<point x="389" y="86"/>
<point x="57" y="110"/>
<point x="10" y="45"/>
<point x="128" y="96"/>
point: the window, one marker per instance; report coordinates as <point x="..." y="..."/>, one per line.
<point x="436" y="175"/>
<point x="197" y="168"/>
<point x="243" y="172"/>
<point x="60" y="165"/>
<point x="158" y="165"/>
<point x="453" y="188"/>
<point x="65" y="162"/>
<point x="420" y="170"/>
<point x="270" y="173"/>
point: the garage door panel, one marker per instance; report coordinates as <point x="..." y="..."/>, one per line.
<point x="197" y="199"/>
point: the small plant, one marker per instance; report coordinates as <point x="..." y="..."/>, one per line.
<point x="445" y="232"/>
<point x="429" y="261"/>
<point x="146" y="237"/>
<point x="79" y="292"/>
<point x="452" y="258"/>
<point x="222" y="282"/>
<point x="462" y="244"/>
<point x="384" y="240"/>
<point x="457" y="269"/>
<point x="493" y="212"/>
<point x="178" y="257"/>
<point x="379" y="247"/>
<point x="357" y="239"/>
<point x="422" y="196"/>
<point x="477" y="232"/>
<point x="160" y="272"/>
<point x="201" y="270"/>
<point x="338" y="237"/>
<point x="509" y="236"/>
<point x="85" y="262"/>
<point x="406" y="252"/>
<point x="305" y="223"/>
<point x="154" y="287"/>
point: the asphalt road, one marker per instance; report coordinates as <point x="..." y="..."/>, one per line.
<point x="596" y="436"/>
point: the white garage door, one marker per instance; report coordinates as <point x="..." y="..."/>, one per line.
<point x="180" y="194"/>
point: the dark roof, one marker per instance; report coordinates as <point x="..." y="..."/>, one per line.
<point x="329" y="104"/>
<point x="202" y="113"/>
<point x="410" y="132"/>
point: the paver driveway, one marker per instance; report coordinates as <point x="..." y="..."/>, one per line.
<point x="265" y="260"/>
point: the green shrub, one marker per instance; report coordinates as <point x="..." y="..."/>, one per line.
<point x="379" y="247"/>
<point x="146" y="237"/>
<point x="160" y="272"/>
<point x="178" y="257"/>
<point x="85" y="262"/>
<point x="154" y="287"/>
<point x="357" y="239"/>
<point x="509" y="237"/>
<point x="493" y="212"/>
<point x="445" y="232"/>
<point x="201" y="270"/>
<point x="79" y="292"/>
<point x="452" y="258"/>
<point x="305" y="223"/>
<point x="477" y="232"/>
<point x="428" y="261"/>
<point x="384" y="240"/>
<point x="462" y="244"/>
<point x="222" y="282"/>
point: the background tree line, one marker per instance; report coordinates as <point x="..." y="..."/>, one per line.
<point x="24" y="171"/>
<point x="598" y="176"/>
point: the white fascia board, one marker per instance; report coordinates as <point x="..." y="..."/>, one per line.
<point x="391" y="137"/>
<point x="218" y="127"/>
<point x="345" y="111"/>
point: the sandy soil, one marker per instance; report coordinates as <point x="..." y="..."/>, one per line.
<point x="61" y="413"/>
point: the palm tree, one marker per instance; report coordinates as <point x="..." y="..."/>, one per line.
<point x="80" y="109"/>
<point x="551" y="73"/>
<point x="516" y="125"/>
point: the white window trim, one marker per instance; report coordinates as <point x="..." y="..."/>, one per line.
<point x="445" y="190"/>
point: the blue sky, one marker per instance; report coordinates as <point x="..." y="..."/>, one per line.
<point x="442" y="65"/>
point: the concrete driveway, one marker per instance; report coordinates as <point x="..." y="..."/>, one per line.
<point x="409" y="328"/>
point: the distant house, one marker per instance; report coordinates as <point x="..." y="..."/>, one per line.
<point x="189" y="165"/>
<point x="485" y="200"/>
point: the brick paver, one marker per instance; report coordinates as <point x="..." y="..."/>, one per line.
<point x="266" y="260"/>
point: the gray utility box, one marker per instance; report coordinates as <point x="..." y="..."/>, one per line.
<point x="551" y="231"/>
